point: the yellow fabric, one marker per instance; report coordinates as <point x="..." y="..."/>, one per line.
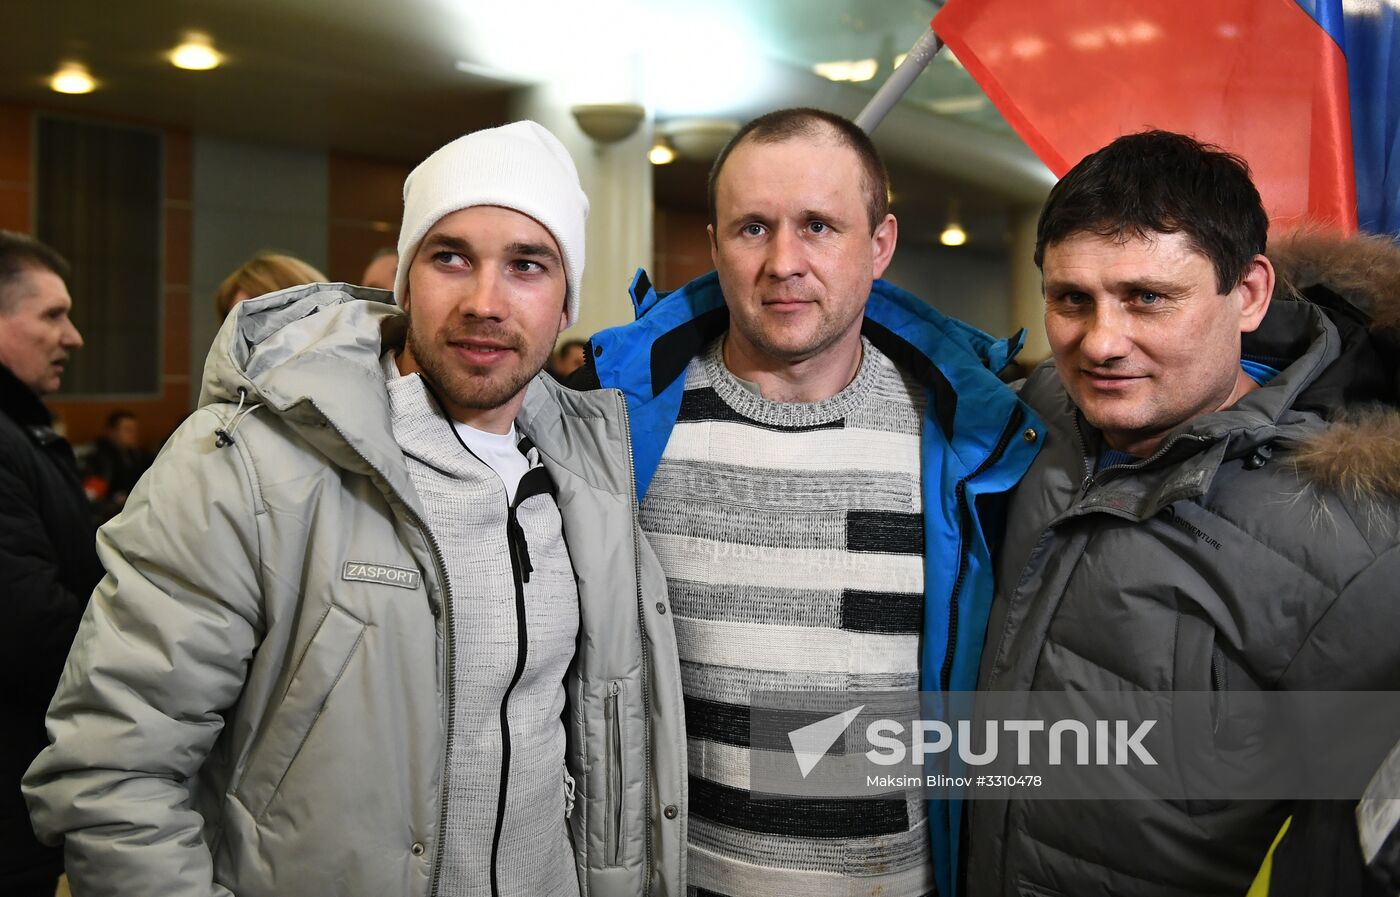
<point x="1260" y="888"/>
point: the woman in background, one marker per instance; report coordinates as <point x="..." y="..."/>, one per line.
<point x="266" y="272"/>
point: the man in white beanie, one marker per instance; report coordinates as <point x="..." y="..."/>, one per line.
<point x="380" y="620"/>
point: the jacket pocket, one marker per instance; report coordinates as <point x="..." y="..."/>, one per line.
<point x="288" y="724"/>
<point x="614" y="777"/>
<point x="1198" y="714"/>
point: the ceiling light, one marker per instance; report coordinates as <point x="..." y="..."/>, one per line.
<point x="661" y="153"/>
<point x="196" y="54"/>
<point x="486" y="73"/>
<point x="958" y="105"/>
<point x="608" y="122"/>
<point x="953" y="234"/>
<point x="72" y="77"/>
<point x="700" y="139"/>
<point x="848" y="69"/>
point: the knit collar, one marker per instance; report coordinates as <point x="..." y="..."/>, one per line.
<point x="423" y="430"/>
<point x="739" y="396"/>
<point x="19" y="402"/>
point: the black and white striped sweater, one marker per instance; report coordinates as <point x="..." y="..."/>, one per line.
<point x="792" y="539"/>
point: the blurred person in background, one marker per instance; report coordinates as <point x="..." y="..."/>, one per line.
<point x="116" y="461"/>
<point x="47" y="549"/>
<point x="266" y="272"/>
<point x="568" y="358"/>
<point x="379" y="273"/>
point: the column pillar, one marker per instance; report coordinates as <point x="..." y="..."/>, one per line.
<point x="617" y="178"/>
<point x="1027" y="300"/>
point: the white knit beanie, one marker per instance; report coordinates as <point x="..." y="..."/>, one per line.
<point x="519" y="166"/>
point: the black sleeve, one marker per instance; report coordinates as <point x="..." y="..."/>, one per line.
<point x="41" y="616"/>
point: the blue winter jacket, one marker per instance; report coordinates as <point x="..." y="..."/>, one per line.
<point x="978" y="440"/>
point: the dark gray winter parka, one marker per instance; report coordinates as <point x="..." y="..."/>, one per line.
<point x="1258" y="548"/>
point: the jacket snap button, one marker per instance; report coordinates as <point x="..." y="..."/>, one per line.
<point x="597" y="351"/>
<point x="418" y="849"/>
<point x="671" y="812"/>
<point x="660" y="607"/>
<point x="1029" y="435"/>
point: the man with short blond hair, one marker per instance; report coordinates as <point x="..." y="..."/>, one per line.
<point x="815" y="451"/>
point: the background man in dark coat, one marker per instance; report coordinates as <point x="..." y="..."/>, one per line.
<point x="116" y="461"/>
<point x="47" y="550"/>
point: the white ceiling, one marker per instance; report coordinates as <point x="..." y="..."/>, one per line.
<point x="396" y="78"/>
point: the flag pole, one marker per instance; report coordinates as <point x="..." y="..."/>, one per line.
<point x="894" y="88"/>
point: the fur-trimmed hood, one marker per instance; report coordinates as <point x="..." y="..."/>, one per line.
<point x="1359" y="454"/>
<point x="1363" y="269"/>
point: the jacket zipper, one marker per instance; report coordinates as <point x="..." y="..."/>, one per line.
<point x="447" y="641"/>
<point x="1091" y="477"/>
<point x="1218" y="684"/>
<point x="449" y="677"/>
<point x="612" y="825"/>
<point x="965" y="540"/>
<point x="1088" y="480"/>
<point x="642" y="637"/>
<point x="520" y="569"/>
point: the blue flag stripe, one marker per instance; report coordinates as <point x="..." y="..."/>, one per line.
<point x="1368" y="31"/>
<point x="1373" y="72"/>
<point x="1328" y="14"/>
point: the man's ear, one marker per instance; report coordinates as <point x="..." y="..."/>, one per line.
<point x="563" y="319"/>
<point x="714" y="247"/>
<point x="1255" y="290"/>
<point x="883" y="241"/>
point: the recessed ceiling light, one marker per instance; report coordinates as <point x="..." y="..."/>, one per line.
<point x="848" y="69"/>
<point x="958" y="105"/>
<point x="72" y="77"/>
<point x="486" y="73"/>
<point x="953" y="234"/>
<point x="196" y="54"/>
<point x="661" y="153"/>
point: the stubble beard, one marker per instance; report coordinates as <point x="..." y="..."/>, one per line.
<point x="775" y="342"/>
<point x="465" y="387"/>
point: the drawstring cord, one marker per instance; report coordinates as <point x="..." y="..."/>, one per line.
<point x="225" y="435"/>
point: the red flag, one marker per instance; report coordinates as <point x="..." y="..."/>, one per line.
<point x="1259" y="78"/>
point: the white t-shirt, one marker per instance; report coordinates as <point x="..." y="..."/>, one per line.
<point x="498" y="451"/>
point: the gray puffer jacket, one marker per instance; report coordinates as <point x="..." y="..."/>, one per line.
<point x="257" y="697"/>
<point x="1259" y="548"/>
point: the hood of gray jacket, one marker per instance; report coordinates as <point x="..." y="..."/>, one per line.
<point x="301" y="353"/>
